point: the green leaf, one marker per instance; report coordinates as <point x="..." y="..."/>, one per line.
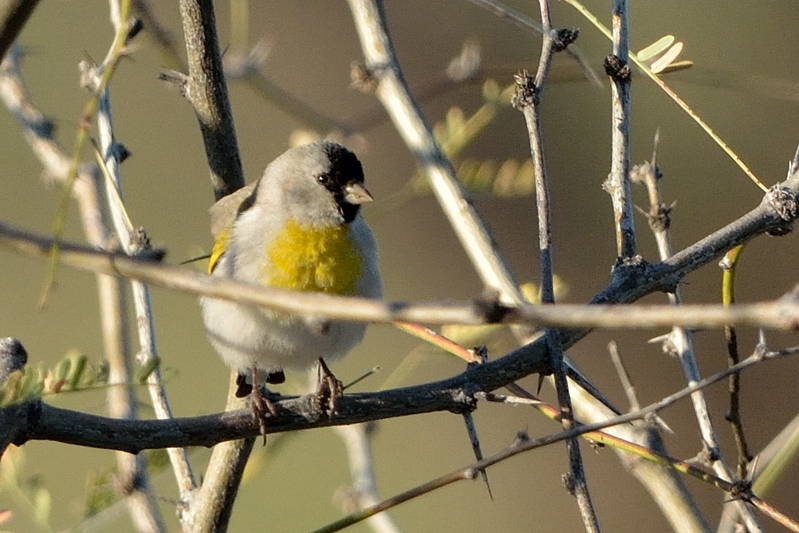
<point x="656" y="48"/>
<point x="77" y="368"/>
<point x="144" y="371"/>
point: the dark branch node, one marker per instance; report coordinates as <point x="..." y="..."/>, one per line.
<point x="629" y="265"/>
<point x="658" y="216"/>
<point x="785" y="203"/>
<point x="630" y="272"/>
<point x="135" y="26"/>
<point x="122" y="152"/>
<point x="712" y="454"/>
<point x="176" y="79"/>
<point x="741" y="490"/>
<point x="481" y="351"/>
<point x="470" y="473"/>
<point x="465" y="397"/>
<point x="490" y="309"/>
<point x="42" y="127"/>
<point x="140" y="240"/>
<point x="119" y="151"/>
<point x="568" y="483"/>
<point x="641" y="173"/>
<point x="564" y="37"/>
<point x="89" y="79"/>
<point x="143" y="249"/>
<point x="618" y="70"/>
<point x="156" y="255"/>
<point x="526" y="92"/>
<point x="364" y="77"/>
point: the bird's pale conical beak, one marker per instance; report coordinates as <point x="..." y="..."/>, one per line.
<point x="357" y="194"/>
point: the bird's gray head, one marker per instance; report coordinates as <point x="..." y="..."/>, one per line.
<point x="320" y="183"/>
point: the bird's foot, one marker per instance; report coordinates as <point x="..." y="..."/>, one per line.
<point x="329" y="391"/>
<point x="259" y="402"/>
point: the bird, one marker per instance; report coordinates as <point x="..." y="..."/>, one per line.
<point x="298" y="227"/>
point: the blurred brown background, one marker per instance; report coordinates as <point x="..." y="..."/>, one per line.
<point x="751" y="49"/>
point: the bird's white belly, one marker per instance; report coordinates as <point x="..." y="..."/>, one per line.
<point x="273" y="341"/>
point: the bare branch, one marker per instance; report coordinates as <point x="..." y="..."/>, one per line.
<point x="524" y="443"/>
<point x="132" y="242"/>
<point x="362" y="493"/>
<point x="210" y="509"/>
<point x="14" y="14"/>
<point x="524" y="22"/>
<point x="132" y="481"/>
<point x="37" y="420"/>
<point x="618" y="183"/>
<point x="206" y="90"/>
<point x="768" y="216"/>
<point x="382" y="73"/>
<point x="528" y="100"/>
<point x="679" y="342"/>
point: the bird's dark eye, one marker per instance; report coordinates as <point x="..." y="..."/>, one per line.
<point x="324" y="179"/>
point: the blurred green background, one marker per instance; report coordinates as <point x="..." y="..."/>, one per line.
<point x="745" y="84"/>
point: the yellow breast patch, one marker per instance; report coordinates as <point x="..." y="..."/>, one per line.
<point x="305" y="258"/>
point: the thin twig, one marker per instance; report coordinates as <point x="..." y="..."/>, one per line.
<point x="624" y="376"/>
<point x="733" y="416"/>
<point x="362" y="492"/>
<point x="134" y="479"/>
<point x="759" y="356"/>
<point x="771" y="460"/>
<point x="524" y="443"/>
<point x="675" y="97"/>
<point x="14" y="14"/>
<point x="39" y="132"/>
<point x="618" y="182"/>
<point x="528" y="100"/>
<point x="474" y="440"/>
<point x="118" y="49"/>
<point x="132" y="244"/>
<point x="439" y="340"/>
<point x="781" y="314"/>
<point x="524" y="22"/>
<point x="383" y="74"/>
<point x="679" y="342"/>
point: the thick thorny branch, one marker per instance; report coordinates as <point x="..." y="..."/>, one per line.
<point x="528" y="101"/>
